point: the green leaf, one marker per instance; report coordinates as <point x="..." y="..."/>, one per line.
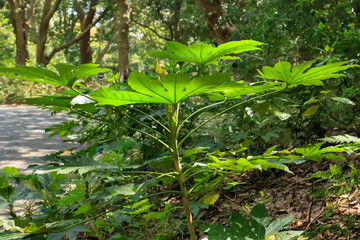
<point x="190" y="153"/>
<point x="239" y="228"/>
<point x="313" y="152"/>
<point x="59" y="101"/>
<point x="311" y="110"/>
<point x="239" y="90"/>
<point x="10" y="170"/>
<point x="343" y="100"/>
<point x="282" y="115"/>
<point x="84" y="208"/>
<point x="66" y="75"/>
<point x="10" y="225"/>
<point x="172" y="89"/>
<point x="127" y="189"/>
<point x="209" y="198"/>
<point x="288" y="235"/>
<point x="4" y="180"/>
<point x="107" y="96"/>
<point x="70" y="234"/>
<point x="259" y="218"/>
<point x="302" y="75"/>
<point x="342" y="139"/>
<point x="73" y="196"/>
<point x="278" y="225"/>
<point x="202" y="53"/>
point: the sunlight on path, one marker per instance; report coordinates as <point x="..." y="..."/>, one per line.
<point x="22" y="137"/>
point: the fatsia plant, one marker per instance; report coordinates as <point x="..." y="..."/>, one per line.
<point x="67" y="75"/>
<point x="303" y="74"/>
<point x="258" y="227"/>
<point x="170" y="89"/>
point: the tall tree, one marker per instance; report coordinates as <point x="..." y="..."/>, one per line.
<point x="123" y="39"/>
<point x="85" y="33"/>
<point x="86" y="19"/>
<point x="220" y="28"/>
<point x="49" y="10"/>
<point x="21" y="13"/>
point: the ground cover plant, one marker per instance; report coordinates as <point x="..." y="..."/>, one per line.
<point x="108" y="191"/>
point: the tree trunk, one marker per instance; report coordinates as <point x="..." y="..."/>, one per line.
<point x="48" y="13"/>
<point x="176" y="21"/>
<point x="123" y="40"/>
<point x="74" y="40"/>
<point x="214" y="12"/>
<point x="106" y="48"/>
<point x="18" y="20"/>
<point x="85" y="21"/>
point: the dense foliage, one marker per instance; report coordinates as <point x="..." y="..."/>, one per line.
<point x="196" y="116"/>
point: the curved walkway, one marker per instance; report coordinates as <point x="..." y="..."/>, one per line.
<point x="23" y="139"/>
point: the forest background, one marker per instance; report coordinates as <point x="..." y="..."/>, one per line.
<point x="117" y="35"/>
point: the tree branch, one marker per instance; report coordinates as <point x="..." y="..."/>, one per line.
<point x="50" y="14"/>
<point x="76" y="39"/>
<point x="106" y="48"/>
<point x="151" y="29"/>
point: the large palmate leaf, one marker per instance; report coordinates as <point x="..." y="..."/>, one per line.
<point x="202" y="53"/>
<point x="258" y="227"/>
<point x="316" y="153"/>
<point x="66" y="75"/>
<point x="172" y="89"/>
<point x="302" y="75"/>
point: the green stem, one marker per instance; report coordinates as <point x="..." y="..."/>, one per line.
<point x="82" y="94"/>
<point x="157" y="114"/>
<point x="172" y="111"/>
<point x="197" y="111"/>
<point x="146" y="126"/>
<point x="134" y="129"/>
<point x="224" y="111"/>
<point x="148" y="115"/>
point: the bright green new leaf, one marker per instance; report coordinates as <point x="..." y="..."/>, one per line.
<point x="302" y="75"/>
<point x="73" y="196"/>
<point x="202" y="53"/>
<point x="10" y="170"/>
<point x="209" y="198"/>
<point x="311" y="110"/>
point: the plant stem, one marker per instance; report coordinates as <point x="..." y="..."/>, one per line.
<point x="224" y="111"/>
<point x="173" y="117"/>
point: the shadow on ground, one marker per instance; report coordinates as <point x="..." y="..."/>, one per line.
<point x="23" y="139"/>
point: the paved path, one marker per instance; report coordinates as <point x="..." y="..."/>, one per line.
<point x="22" y="136"/>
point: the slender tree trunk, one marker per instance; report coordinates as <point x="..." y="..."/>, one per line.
<point x="178" y="36"/>
<point x="106" y="48"/>
<point x="85" y="21"/>
<point x="123" y="39"/>
<point x="48" y="13"/>
<point x="214" y="12"/>
<point x="18" y="20"/>
<point x="74" y="40"/>
<point x="85" y="48"/>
